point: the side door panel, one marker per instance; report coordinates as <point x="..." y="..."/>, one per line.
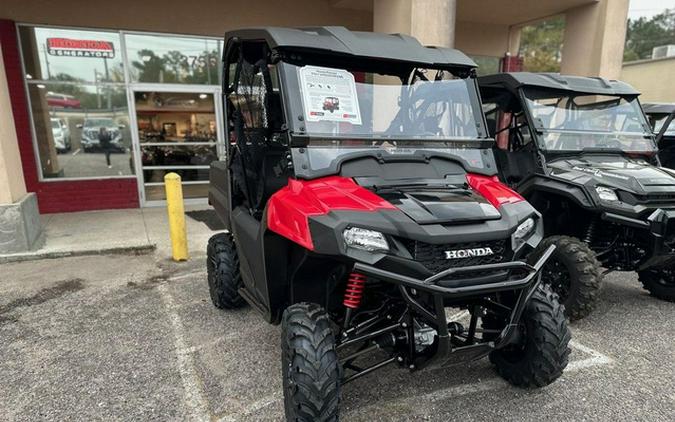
<point x="250" y="248"/>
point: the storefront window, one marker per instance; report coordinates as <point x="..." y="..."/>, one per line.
<point x="164" y="59"/>
<point x="78" y="84"/>
<point x="81" y="130"/>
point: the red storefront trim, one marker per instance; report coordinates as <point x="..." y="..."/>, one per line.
<point x="56" y="196"/>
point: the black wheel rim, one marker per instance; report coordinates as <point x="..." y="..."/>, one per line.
<point x="556" y="275"/>
<point x="513" y="353"/>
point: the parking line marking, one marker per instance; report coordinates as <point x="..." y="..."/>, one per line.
<point x="490" y="384"/>
<point x="186" y="275"/>
<point x="198" y="404"/>
<point x="194" y="397"/>
<point x="251" y="409"/>
<point x="443" y="394"/>
<point x="596" y="358"/>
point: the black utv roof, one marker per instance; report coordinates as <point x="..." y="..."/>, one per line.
<point x="658" y="108"/>
<point x="585" y="85"/>
<point x="338" y="40"/>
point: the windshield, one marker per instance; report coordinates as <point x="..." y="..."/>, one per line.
<point x="99" y="123"/>
<point x="578" y="122"/>
<point x="352" y="114"/>
<point x="429" y="105"/>
<point x="55" y="124"/>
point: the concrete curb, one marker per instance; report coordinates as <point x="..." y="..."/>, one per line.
<point x="115" y="250"/>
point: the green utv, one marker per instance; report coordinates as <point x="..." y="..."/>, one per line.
<point x="581" y="151"/>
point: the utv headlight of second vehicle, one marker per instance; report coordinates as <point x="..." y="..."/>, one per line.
<point x="523" y="232"/>
<point x="606" y="194"/>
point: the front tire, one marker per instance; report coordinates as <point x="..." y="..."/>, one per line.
<point x="543" y="352"/>
<point x="660" y="283"/>
<point x="574" y="274"/>
<point x="222" y="265"/>
<point x="309" y="364"/>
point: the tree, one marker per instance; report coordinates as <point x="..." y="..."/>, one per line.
<point x="643" y="34"/>
<point x="541" y="45"/>
<point x="152" y="68"/>
<point x="176" y="67"/>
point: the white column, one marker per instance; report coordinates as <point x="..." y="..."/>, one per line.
<point x="12" y="185"/>
<point x="594" y="39"/>
<point x="432" y="22"/>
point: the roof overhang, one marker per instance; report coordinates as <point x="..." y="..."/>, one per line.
<point x="499" y="12"/>
<point x="658" y="108"/>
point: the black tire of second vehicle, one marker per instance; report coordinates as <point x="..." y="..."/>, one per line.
<point x="309" y="364"/>
<point x="222" y="265"/>
<point x="660" y="283"/>
<point x="544" y="352"/>
<point x="585" y="274"/>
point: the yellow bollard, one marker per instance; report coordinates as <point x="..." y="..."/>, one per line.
<point x="174" y="206"/>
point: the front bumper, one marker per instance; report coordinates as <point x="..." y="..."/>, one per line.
<point x="516" y="276"/>
<point x="660" y="235"/>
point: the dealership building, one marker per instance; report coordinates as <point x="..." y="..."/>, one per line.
<point x="147" y="75"/>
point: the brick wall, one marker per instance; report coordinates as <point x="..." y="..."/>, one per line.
<point x="55" y="196"/>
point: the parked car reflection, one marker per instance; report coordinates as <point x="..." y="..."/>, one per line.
<point x="90" y="134"/>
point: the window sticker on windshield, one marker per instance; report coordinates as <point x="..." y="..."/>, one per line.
<point x="329" y="95"/>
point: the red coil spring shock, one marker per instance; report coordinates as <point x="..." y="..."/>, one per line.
<point x="354" y="292"/>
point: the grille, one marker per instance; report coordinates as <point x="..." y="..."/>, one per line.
<point x="655" y="199"/>
<point x="433" y="256"/>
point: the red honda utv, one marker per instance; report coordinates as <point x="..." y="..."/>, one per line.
<point x="357" y="230"/>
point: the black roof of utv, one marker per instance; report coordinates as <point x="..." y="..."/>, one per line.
<point x="337" y="40"/>
<point x="581" y="84"/>
<point x="658" y="108"/>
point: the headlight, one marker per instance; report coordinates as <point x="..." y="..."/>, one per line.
<point x="606" y="194"/>
<point x="364" y="239"/>
<point x="524" y="229"/>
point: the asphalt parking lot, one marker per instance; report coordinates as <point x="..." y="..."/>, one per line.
<point x="136" y="338"/>
<point x="77" y="163"/>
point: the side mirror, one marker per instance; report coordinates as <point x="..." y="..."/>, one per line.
<point x="79" y="125"/>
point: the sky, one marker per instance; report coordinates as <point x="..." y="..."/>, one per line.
<point x="648" y="8"/>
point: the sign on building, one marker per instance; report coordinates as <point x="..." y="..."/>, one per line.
<point x="80" y="48"/>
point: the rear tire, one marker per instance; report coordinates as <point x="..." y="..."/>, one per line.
<point x="222" y="264"/>
<point x="309" y="364"/>
<point x="543" y="353"/>
<point x="574" y="274"/>
<point x="660" y="283"/>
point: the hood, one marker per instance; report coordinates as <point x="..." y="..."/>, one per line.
<point x="633" y="175"/>
<point x="430" y="206"/>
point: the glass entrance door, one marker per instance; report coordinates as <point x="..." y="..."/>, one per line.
<point x="177" y="131"/>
